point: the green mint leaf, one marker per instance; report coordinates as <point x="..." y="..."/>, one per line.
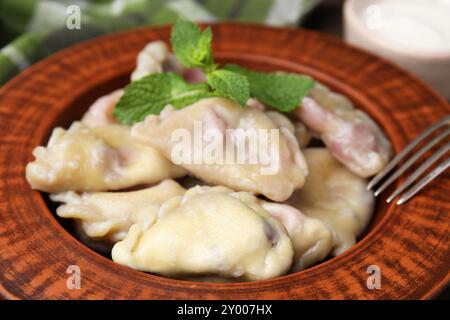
<point x="282" y="91"/>
<point x="191" y="46"/>
<point x="230" y="85"/>
<point x="151" y="94"/>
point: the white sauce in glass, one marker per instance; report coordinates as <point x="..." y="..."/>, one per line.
<point x="422" y="25"/>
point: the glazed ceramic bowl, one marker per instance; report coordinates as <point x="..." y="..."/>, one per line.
<point x="409" y="244"/>
<point x="433" y="67"/>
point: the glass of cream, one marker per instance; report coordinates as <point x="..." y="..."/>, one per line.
<point x="412" y="33"/>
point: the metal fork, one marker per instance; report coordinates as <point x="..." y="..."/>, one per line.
<point x="420" y="170"/>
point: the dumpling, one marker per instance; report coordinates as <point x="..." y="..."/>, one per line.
<point x="109" y="215"/>
<point x="350" y="134"/>
<point x="275" y="176"/>
<point x="96" y="159"/>
<point x="100" y="112"/>
<point x="209" y="231"/>
<point x="336" y="196"/>
<point x="156" y="58"/>
<point x="150" y="60"/>
<point x="310" y="237"/>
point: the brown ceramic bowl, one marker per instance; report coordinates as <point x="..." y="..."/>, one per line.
<point x="409" y="243"/>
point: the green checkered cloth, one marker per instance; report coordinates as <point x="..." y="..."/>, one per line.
<point x="34" y="29"/>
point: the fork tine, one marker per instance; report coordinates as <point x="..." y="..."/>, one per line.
<point x="406" y="150"/>
<point x="410" y="161"/>
<point x="421" y="169"/>
<point x="422" y="183"/>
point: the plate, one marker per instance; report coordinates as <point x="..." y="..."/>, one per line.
<point x="409" y="244"/>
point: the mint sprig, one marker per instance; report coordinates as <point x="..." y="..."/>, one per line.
<point x="192" y="48"/>
<point x="282" y="91"/>
<point x="151" y="94"/>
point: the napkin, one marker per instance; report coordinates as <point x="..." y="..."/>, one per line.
<point x="34" y="29"/>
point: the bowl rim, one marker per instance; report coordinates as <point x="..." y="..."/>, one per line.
<point x="358" y="246"/>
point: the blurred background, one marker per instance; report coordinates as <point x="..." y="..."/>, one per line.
<point x="31" y="30"/>
<point x="413" y="33"/>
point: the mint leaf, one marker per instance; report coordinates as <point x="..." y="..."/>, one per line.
<point x="230" y="85"/>
<point x="151" y="94"/>
<point x="282" y="91"/>
<point x="191" y="46"/>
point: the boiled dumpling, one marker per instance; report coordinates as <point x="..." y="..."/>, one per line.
<point x="209" y="230"/>
<point x="310" y="237"/>
<point x="99" y="114"/>
<point x="109" y="215"/>
<point x="96" y="159"/>
<point x="156" y="58"/>
<point x="275" y="176"/>
<point x="336" y="196"/>
<point x="150" y="60"/>
<point x="350" y="134"/>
